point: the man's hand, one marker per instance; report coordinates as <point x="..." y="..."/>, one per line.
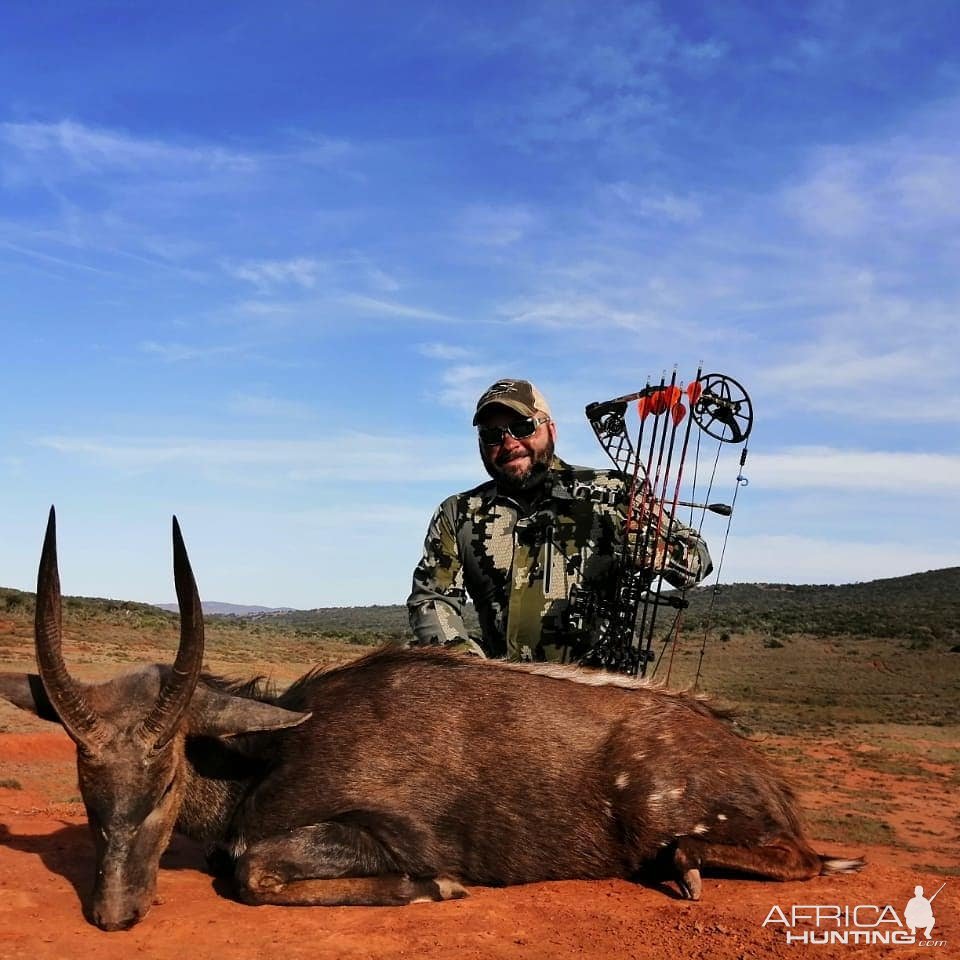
<point x="643" y="521"/>
<point x="465" y="645"/>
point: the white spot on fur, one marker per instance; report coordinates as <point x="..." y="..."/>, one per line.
<point x="676" y="793"/>
<point x="700" y="828"/>
<point x="640" y="757"/>
<point x="721" y="816"/>
<point x="655" y="799"/>
<point x="622" y="781"/>
<point x="608" y="809"/>
<point x="238" y="846"/>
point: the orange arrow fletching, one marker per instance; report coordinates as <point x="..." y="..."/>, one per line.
<point x="693" y="392"/>
<point x="657" y="402"/>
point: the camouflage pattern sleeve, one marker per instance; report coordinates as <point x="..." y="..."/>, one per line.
<point x="435" y="605"/>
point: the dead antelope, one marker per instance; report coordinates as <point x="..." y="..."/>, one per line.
<point x="397" y="776"/>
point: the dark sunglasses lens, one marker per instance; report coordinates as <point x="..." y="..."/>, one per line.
<point x="491" y="435"/>
<point x="521" y="429"/>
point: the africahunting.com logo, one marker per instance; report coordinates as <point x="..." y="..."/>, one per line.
<point x="864" y="923"/>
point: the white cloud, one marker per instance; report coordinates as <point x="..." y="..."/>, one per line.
<point x="631" y="199"/>
<point x="53" y="260"/>
<point x="463" y="384"/>
<point x="790" y="558"/>
<point x="494" y="226"/>
<point x="67" y="147"/>
<point x="829" y="468"/>
<point x="832" y="200"/>
<point x="443" y="351"/>
<point x="357" y="457"/>
<point x="881" y="190"/>
<point x="306" y="272"/>
<point x="841" y="365"/>
<point x="262" y="405"/>
<point x="298" y="271"/>
<point x="180" y="352"/>
<point x="386" y="308"/>
<point x="584" y="313"/>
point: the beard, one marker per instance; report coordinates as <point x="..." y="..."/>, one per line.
<point x="529" y="480"/>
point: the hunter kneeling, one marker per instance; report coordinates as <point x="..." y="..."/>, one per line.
<point x="525" y="542"/>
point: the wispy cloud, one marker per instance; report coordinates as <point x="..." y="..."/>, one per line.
<point x="308" y="272"/>
<point x="830" y="468"/>
<point x="839" y="365"/>
<point x="60" y="149"/>
<point x="463" y="383"/>
<point x="630" y="199"/>
<point x="269" y="407"/>
<point x="354" y="457"/>
<point x="578" y="312"/>
<point x="443" y="351"/>
<point x="592" y="78"/>
<point x="790" y="558"/>
<point x="183" y="352"/>
<point x="52" y="259"/>
<point x="65" y="148"/>
<point x="299" y="271"/>
<point x="879" y="190"/>
<point x="495" y="226"/>
<point x="371" y="306"/>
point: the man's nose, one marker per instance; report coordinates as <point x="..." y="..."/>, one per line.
<point x="509" y="442"/>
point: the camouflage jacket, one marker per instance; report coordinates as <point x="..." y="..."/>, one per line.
<point x="518" y="564"/>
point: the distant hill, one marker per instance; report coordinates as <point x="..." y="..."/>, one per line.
<point x="214" y="607"/>
<point x="922" y="609"/>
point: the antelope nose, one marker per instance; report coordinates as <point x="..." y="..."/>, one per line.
<point x="112" y="924"/>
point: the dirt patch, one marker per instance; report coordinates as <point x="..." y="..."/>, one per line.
<point x="46" y="871"/>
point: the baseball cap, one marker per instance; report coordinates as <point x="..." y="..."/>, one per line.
<point x="519" y="395"/>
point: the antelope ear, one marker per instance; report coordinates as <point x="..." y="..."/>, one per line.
<point x="217" y="714"/>
<point x="25" y="690"/>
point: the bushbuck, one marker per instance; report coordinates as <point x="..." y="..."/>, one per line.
<point x="398" y="776"/>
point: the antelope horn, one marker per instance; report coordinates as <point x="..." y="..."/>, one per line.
<point x="79" y="719"/>
<point x="164" y="719"/>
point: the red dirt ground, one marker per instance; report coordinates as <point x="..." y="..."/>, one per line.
<point x="46" y="870"/>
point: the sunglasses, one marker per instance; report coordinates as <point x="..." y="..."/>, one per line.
<point x="519" y="430"/>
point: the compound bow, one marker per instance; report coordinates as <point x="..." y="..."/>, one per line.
<point x="616" y="623"/>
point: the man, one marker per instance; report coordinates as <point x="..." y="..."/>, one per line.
<point x="520" y="542"/>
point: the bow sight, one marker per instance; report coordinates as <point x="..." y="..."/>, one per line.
<point x="614" y="622"/>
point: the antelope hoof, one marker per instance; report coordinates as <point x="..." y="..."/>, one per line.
<point x="450" y="889"/>
<point x="441" y="888"/>
<point x="689" y="883"/>
<point x="686" y="872"/>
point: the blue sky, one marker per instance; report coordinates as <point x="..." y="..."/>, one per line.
<point x="258" y="261"/>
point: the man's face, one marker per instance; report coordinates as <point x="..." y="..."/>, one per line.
<point x="513" y="463"/>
